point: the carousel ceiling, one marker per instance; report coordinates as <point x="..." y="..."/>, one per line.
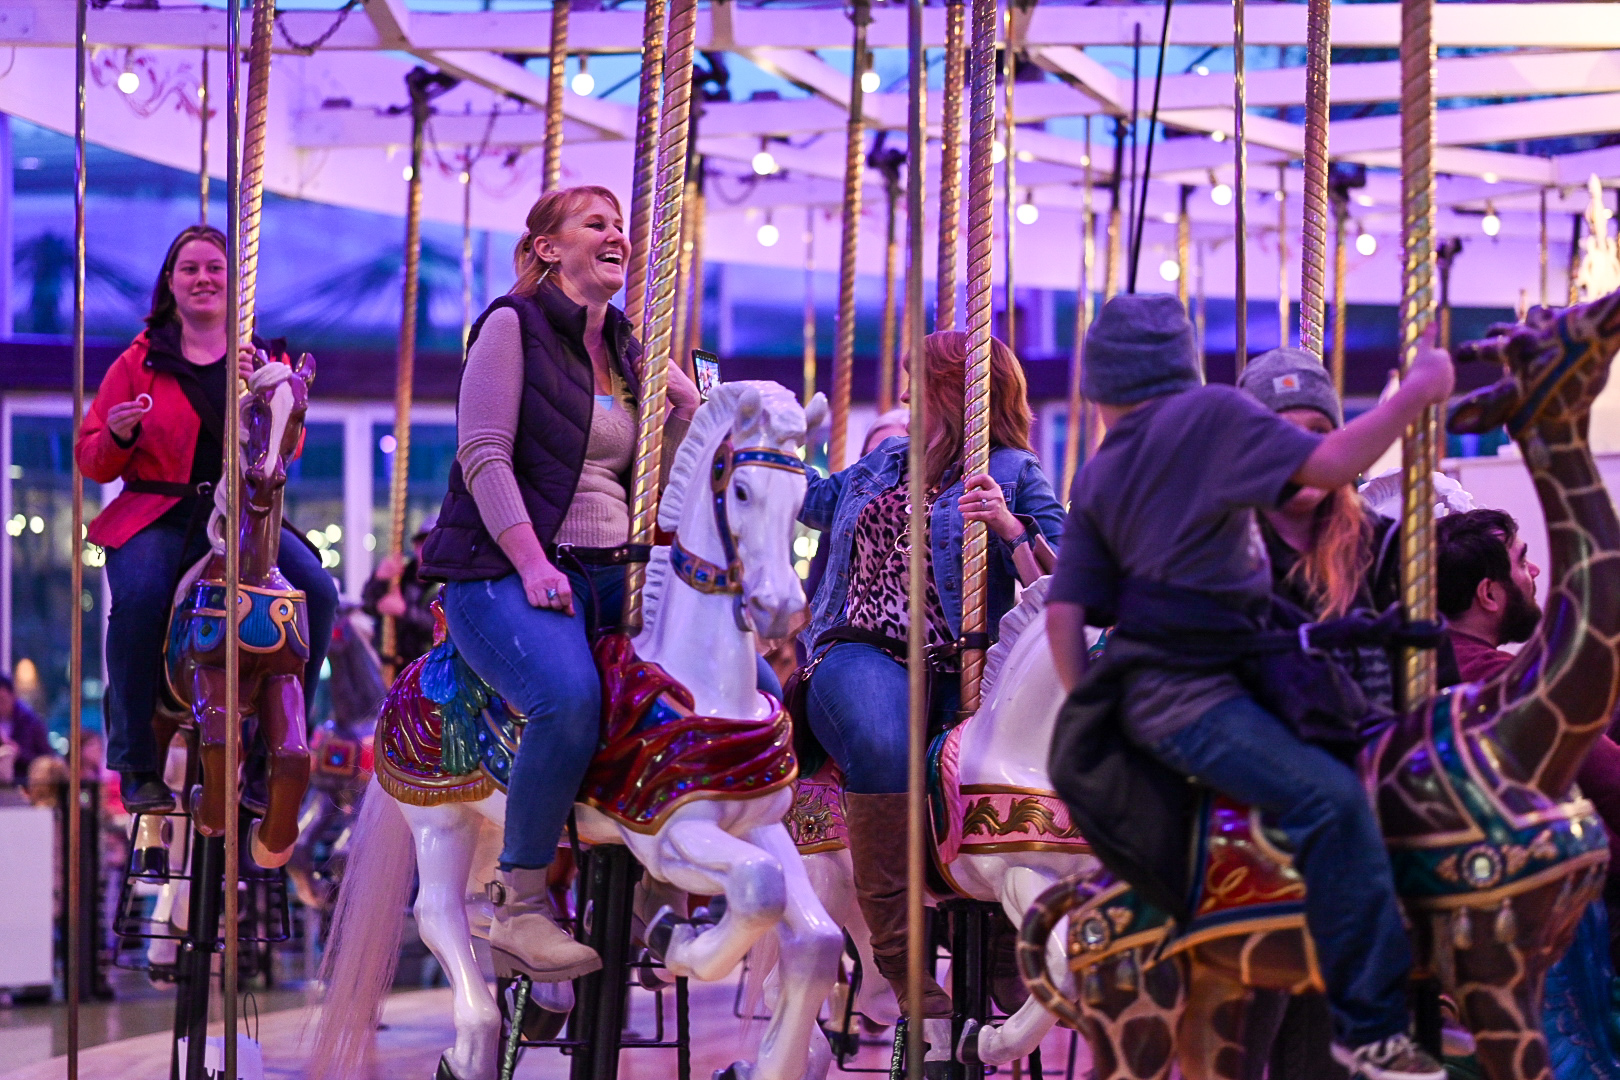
<point x="1527" y="96"/>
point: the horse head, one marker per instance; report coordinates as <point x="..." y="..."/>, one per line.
<point x="733" y="498"/>
<point x="273" y="425"/>
<point x="1554" y="365"/>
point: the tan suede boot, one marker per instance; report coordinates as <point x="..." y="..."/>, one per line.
<point x="524" y="935"/>
<point x="877" y="846"/>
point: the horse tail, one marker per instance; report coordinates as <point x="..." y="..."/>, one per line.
<point x="363" y="946"/>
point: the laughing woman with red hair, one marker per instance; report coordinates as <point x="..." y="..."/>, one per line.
<point x="856" y="639"/>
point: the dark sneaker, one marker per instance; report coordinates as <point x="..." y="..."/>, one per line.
<point x="145" y="793"/>
<point x="1395" y="1058"/>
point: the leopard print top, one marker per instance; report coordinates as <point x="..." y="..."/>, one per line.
<point x="880" y="578"/>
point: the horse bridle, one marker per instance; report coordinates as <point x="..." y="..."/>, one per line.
<point x="700" y="573"/>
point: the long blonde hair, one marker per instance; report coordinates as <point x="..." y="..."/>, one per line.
<point x="1334" y="563"/>
<point x="548" y="214"/>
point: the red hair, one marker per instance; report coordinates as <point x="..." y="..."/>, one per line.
<point x="1332" y="567"/>
<point x="548" y="214"/>
<point x="945" y="357"/>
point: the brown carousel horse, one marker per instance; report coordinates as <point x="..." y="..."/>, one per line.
<point x="1496" y="854"/>
<point x="271" y="618"/>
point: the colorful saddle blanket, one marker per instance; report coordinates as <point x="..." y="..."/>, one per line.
<point x="816" y="820"/>
<point x="267" y="621"/>
<point x="446" y="736"/>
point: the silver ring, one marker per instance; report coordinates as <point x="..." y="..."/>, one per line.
<point x="551" y="594"/>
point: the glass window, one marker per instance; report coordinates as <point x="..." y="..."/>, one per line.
<point x="40" y="534"/>
<point x="313" y="504"/>
<point x="433" y="451"/>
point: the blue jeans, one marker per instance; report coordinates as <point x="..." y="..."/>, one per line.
<point x="540" y="661"/>
<point x="1243" y="751"/>
<point x="857" y="707"/>
<point x="142" y="575"/>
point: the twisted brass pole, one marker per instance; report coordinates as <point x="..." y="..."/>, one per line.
<point x="1341" y="310"/>
<point x="854" y="179"/>
<point x="1314" y="208"/>
<point x="1418" y="447"/>
<point x="891" y="270"/>
<point x="1543" y="247"/>
<point x="1282" y="256"/>
<point x="1112" y="240"/>
<point x="696" y="208"/>
<point x="1240" y="192"/>
<point x="917" y="946"/>
<point x="1183" y="247"/>
<point x="976" y="413"/>
<point x="74" y="809"/>
<point x="1075" y="418"/>
<point x="202" y="149"/>
<point x="250" y="199"/>
<point x="466" y="251"/>
<point x="646" y="165"/>
<point x="405" y="365"/>
<point x="554" y="94"/>
<point x="950" y="163"/>
<point x="809" y="303"/>
<point x="683" y="279"/>
<point x="1009" y="205"/>
<point x="674" y="127"/>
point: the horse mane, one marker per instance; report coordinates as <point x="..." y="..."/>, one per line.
<point x="655" y="586"/>
<point x="1013" y="624"/>
<point x="266" y="376"/>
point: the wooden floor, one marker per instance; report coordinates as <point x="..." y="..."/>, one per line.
<point x="417" y="1030"/>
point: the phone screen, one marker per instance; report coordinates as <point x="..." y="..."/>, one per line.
<point x="707" y="367"/>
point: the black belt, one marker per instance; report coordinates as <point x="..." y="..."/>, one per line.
<point x="172" y="488"/>
<point x="944" y="658"/>
<point x="623" y="555"/>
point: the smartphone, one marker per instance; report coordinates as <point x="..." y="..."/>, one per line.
<point x="706" y="366"/>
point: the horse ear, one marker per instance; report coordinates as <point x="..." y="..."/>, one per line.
<point x="815" y="413"/>
<point x="306" y="369"/>
<point x="749" y="408"/>
<point x="1485" y="410"/>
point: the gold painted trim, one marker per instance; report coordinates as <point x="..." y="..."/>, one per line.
<point x="657" y="823"/>
<point x="822" y="846"/>
<point x="414" y="793"/>
<point x="1007" y="789"/>
<point x="1237" y="928"/>
<point x="1001" y="848"/>
<point x="1491" y="897"/>
<point x="1087" y="958"/>
<point x="1425" y="841"/>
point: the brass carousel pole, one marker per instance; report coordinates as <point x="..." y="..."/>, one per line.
<point x="950" y="163"/>
<point x="646" y="174"/>
<point x="976" y="415"/>
<point x="683" y="277"/>
<point x="1009" y="203"/>
<point x="405" y="366"/>
<point x="1111" y="273"/>
<point x="809" y="303"/>
<point x="249" y="201"/>
<point x="1314" y="208"/>
<point x="466" y="250"/>
<point x="854" y="178"/>
<point x="891" y="270"/>
<point x="202" y="149"/>
<point x="1341" y="309"/>
<point x="1418" y="447"/>
<point x="74" y="809"/>
<point x="1240" y="193"/>
<point x="1543" y="248"/>
<point x="1283" y="336"/>
<point x="674" y="127"/>
<point x="698" y="212"/>
<point x="1075" y="419"/>
<point x="1183" y="247"/>
<point x="917" y="947"/>
<point x="554" y="94"/>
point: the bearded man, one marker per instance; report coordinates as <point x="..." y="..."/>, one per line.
<point x="1487" y="590"/>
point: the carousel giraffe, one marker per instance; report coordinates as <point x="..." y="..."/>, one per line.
<point x="1496" y="855"/>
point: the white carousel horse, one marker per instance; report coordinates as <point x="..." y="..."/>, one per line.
<point x="1006" y="837"/>
<point x="734" y="493"/>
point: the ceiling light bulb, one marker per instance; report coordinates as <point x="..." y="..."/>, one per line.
<point x="1170" y="217"/>
<point x="871" y="82"/>
<point x="1490" y="177"/>
<point x="764" y="163"/>
<point x="406" y="173"/>
<point x="1366" y="243"/>
<point x="1490" y="223"/>
<point x="1201" y="69"/>
<point x="998" y="152"/>
<point x="1364" y="200"/>
<point x="129" y="82"/>
<point x="1222" y="194"/>
<point x="768" y="235"/>
<point x="1028" y="213"/>
<point x="1170" y="270"/>
<point x="583" y="83"/>
<point x="464" y="177"/>
<point x="1218" y="136"/>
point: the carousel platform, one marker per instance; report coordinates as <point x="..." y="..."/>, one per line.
<point x="417" y="1028"/>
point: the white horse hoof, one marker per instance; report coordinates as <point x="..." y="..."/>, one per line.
<point x="263" y="856"/>
<point x="967" y="1047"/>
<point x="737" y="1070"/>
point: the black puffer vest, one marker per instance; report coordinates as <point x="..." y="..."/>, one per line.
<point x="554" y="424"/>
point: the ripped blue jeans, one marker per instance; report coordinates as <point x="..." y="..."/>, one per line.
<point x="540" y="661"/>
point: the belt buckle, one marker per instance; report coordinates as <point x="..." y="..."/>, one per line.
<point x="205" y="488"/>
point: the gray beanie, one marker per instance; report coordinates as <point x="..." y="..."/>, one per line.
<point x="1286" y="378"/>
<point x="1140" y="347"/>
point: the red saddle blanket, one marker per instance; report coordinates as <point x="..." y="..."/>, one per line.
<point x="656" y="754"/>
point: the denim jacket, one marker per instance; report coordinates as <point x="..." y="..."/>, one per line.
<point x="833" y="505"/>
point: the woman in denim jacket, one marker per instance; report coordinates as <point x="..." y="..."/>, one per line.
<point x="859" y="621"/>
